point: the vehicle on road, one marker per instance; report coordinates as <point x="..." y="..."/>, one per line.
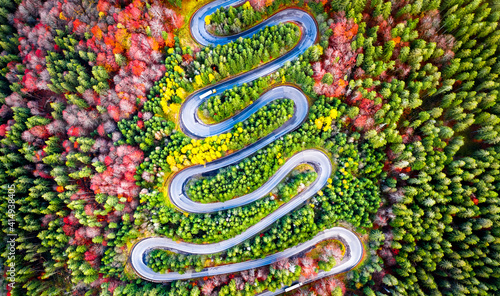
<point x="208" y="93"/>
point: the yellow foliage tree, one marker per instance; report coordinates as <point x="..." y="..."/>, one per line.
<point x="181" y="93"/>
<point x="247" y="5"/>
<point x="198" y="81"/>
<point x="170" y="110"/>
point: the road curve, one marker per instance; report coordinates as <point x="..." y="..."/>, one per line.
<point x="193" y="127"/>
<point x="190" y="122"/>
<point x="320" y="162"/>
<point x="348" y="238"/>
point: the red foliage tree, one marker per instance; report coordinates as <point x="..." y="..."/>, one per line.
<point x="338" y="59"/>
<point x="118" y="179"/>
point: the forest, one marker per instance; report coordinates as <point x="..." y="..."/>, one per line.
<point x="403" y="99"/>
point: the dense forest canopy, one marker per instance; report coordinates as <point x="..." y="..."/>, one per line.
<point x="403" y="100"/>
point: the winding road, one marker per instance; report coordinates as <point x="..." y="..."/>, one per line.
<point x="194" y="127"/>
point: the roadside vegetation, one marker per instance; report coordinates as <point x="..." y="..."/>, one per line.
<point x="323" y="257"/>
<point x="404" y="100"/>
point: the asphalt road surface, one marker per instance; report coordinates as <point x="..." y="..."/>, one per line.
<point x="192" y="126"/>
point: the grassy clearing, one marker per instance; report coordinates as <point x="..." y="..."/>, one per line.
<point x="316" y="252"/>
<point x="207" y="119"/>
<point x="187" y="10"/>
